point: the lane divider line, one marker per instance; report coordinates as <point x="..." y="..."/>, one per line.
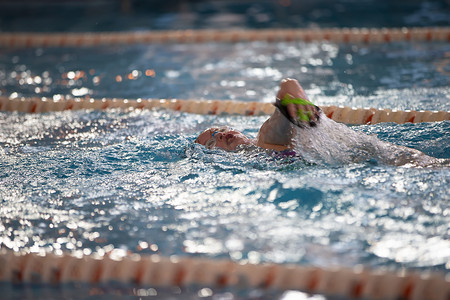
<point x="160" y="271"/>
<point x="335" y="35"/>
<point x="342" y="114"/>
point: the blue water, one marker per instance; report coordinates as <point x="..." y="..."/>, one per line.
<point x="397" y="75"/>
<point x="91" y="181"/>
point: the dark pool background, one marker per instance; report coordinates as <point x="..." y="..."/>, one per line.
<point x="131" y="15"/>
<point x="92" y="181"/>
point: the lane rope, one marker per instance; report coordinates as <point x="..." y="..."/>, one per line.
<point x="335" y="35"/>
<point x="160" y="271"/>
<point x="342" y="114"/>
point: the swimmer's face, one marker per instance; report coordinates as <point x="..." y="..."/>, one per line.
<point x="223" y="137"/>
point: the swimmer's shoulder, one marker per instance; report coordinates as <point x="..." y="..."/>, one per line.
<point x="278" y="150"/>
<point x="272" y="146"/>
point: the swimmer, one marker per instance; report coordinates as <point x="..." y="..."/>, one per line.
<point x="294" y="111"/>
<point x="299" y="125"/>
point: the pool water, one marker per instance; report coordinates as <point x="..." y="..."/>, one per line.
<point x="396" y="75"/>
<point x="93" y="181"/>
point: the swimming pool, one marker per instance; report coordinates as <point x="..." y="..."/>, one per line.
<point x="93" y="181"/>
<point x="402" y="75"/>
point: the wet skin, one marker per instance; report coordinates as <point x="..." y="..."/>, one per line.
<point x="225" y="138"/>
<point x="293" y="89"/>
<point x="276" y="133"/>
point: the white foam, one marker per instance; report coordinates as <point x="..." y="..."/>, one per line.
<point x="334" y="143"/>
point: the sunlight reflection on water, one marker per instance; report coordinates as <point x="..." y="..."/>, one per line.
<point x="95" y="181"/>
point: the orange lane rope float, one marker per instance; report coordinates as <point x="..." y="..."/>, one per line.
<point x="160" y="271"/>
<point x="341" y="114"/>
<point x="336" y="35"/>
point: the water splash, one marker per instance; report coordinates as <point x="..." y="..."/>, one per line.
<point x="334" y="143"/>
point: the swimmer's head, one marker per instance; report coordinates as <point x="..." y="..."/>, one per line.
<point x="222" y="137"/>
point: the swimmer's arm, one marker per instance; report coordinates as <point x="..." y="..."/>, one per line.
<point x="281" y="127"/>
<point x="276" y="131"/>
<point x="294" y="104"/>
